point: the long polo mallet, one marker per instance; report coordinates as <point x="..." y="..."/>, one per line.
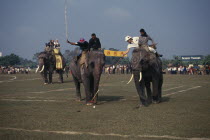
<point x="66" y="23"/>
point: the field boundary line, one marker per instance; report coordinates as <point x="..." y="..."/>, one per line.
<point x="14" y="79"/>
<point x="181" y="91"/>
<point x="100" y="134"/>
<point x="64" y="89"/>
<point x="20" y="100"/>
<point x="9" y="80"/>
<point x="173" y="88"/>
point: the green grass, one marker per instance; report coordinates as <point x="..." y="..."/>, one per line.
<point x="26" y="103"/>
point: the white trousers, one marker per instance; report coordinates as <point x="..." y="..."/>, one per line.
<point x="152" y="50"/>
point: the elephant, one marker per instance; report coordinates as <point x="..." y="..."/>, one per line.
<point x="88" y="75"/>
<point x="147" y="69"/>
<point x="47" y="66"/>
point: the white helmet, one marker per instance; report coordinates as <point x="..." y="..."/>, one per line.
<point x="127" y="38"/>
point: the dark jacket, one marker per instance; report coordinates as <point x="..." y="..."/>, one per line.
<point x="95" y="44"/>
<point x="83" y="46"/>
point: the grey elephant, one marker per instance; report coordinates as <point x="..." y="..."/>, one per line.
<point x="89" y="76"/>
<point x="147" y="69"/>
<point x="47" y="65"/>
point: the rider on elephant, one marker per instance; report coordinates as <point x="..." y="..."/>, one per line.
<point x="84" y="47"/>
<point x="56" y="44"/>
<point x="94" y="42"/>
<point x="53" y="47"/>
<point x="142" y="41"/>
<point x="49" y="46"/>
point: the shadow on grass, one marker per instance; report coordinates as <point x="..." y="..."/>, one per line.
<point x="165" y="99"/>
<point x="106" y="99"/>
<point x="57" y="82"/>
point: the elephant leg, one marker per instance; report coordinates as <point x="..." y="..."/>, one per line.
<point x="140" y="86"/>
<point x="96" y="87"/>
<point x="86" y="83"/>
<point x="149" y="92"/>
<point x="160" y="90"/>
<point x="60" y="72"/>
<point x="155" y="84"/>
<point x="91" y="86"/>
<point x="50" y="74"/>
<point x="77" y="84"/>
<point x="50" y="77"/>
<point x="44" y="76"/>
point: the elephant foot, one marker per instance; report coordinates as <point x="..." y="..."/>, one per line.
<point x="89" y="104"/>
<point x="95" y="102"/>
<point x="149" y="101"/>
<point x="156" y="101"/>
<point x="45" y="83"/>
<point x="61" y="82"/>
<point x="141" y="105"/>
<point x="78" y="99"/>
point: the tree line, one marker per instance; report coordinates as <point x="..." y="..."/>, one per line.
<point x="69" y="55"/>
<point x="15" y="60"/>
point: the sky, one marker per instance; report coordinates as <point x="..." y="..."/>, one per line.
<point x="180" y="27"/>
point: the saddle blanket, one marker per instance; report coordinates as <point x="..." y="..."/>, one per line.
<point x="59" y="62"/>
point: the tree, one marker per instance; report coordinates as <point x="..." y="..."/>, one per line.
<point x="10" y="60"/>
<point x="35" y="57"/>
<point x="111" y="60"/>
<point x="165" y="63"/>
<point x="27" y="63"/>
<point x="71" y="54"/>
<point x="206" y="60"/>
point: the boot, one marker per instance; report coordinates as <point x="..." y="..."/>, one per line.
<point x="158" y="55"/>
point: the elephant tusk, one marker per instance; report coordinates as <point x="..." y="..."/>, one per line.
<point x="140" y="78"/>
<point x="42" y="69"/>
<point x="130" y="79"/>
<point x="37" y="69"/>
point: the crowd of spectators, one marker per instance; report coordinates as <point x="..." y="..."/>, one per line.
<point x="14" y="70"/>
<point x="185" y="70"/>
<point x="117" y="69"/>
<point x="190" y="70"/>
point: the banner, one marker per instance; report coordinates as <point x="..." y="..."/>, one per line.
<point x="191" y="57"/>
<point x="114" y="53"/>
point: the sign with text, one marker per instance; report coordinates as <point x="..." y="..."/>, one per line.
<point x="191" y="57"/>
<point x="114" y="53"/>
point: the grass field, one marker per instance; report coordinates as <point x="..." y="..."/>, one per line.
<point x="30" y="110"/>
